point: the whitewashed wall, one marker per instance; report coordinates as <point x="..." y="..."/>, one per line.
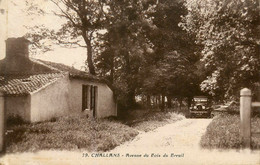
<point x="105" y="103"/>
<point x="51" y="101"/>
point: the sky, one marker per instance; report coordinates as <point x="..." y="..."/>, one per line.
<point x="14" y="20"/>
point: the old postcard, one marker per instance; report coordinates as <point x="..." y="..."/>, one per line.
<point x="129" y="82"/>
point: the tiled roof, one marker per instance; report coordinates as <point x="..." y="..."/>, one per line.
<point x="74" y="73"/>
<point x="25" y="84"/>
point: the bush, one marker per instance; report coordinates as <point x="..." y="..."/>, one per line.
<point x="233" y="108"/>
<point x="14" y="120"/>
<point x="224" y="133"/>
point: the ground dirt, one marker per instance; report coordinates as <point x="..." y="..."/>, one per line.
<point x="179" y="141"/>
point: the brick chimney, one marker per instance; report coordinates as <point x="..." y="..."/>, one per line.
<point x="17" y="47"/>
<point x="17" y="61"/>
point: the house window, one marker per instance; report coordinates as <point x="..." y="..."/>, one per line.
<point x="89" y="98"/>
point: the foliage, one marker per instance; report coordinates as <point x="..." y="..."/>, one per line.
<point x="145" y="55"/>
<point x="167" y="48"/>
<point x="228" y="31"/>
<point x="173" y="72"/>
<point x="124" y="47"/>
<point x="84" y="20"/>
<point x="172" y="76"/>
<point x="223" y="133"/>
<point x="136" y="46"/>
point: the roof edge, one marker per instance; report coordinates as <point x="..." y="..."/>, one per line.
<point x="46" y="85"/>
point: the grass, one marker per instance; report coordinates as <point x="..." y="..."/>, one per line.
<point x="147" y="120"/>
<point x="79" y="132"/>
<point x="223" y="132"/>
<point x="68" y="133"/>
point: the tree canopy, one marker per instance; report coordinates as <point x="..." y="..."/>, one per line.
<point x="170" y="48"/>
<point x="228" y="30"/>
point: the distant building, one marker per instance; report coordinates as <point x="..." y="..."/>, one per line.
<point x="37" y="90"/>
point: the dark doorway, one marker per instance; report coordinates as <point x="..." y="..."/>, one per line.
<point x="85" y="94"/>
<point x="89" y="98"/>
<point x="93" y="99"/>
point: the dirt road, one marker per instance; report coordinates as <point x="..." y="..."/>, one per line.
<point x="180" y="141"/>
<point x="176" y="143"/>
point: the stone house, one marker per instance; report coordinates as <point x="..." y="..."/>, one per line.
<point x="37" y="90"/>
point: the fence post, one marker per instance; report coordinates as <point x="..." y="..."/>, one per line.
<point x="245" y="116"/>
<point x="2" y="123"/>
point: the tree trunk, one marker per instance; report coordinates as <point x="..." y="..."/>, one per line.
<point x="91" y="66"/>
<point x="90" y="60"/>
<point x="130" y="85"/>
<point x="148" y="101"/>
<point x="112" y="69"/>
<point x="163" y="103"/>
<point x="159" y="101"/>
<point x="180" y="102"/>
<point x="156" y="101"/>
<point x="169" y="101"/>
<point x="131" y="99"/>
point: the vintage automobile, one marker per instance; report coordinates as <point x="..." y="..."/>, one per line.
<point x="200" y="107"/>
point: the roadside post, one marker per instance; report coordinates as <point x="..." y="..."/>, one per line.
<point x="246" y="105"/>
<point x="245" y="116"/>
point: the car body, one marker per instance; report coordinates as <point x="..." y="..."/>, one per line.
<point x="200" y="107"/>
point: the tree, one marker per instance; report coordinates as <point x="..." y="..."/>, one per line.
<point x="173" y="76"/>
<point x="138" y="51"/>
<point x="174" y="70"/>
<point x="119" y="49"/>
<point x="124" y="46"/>
<point x="84" y="18"/>
<point x="228" y="31"/>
